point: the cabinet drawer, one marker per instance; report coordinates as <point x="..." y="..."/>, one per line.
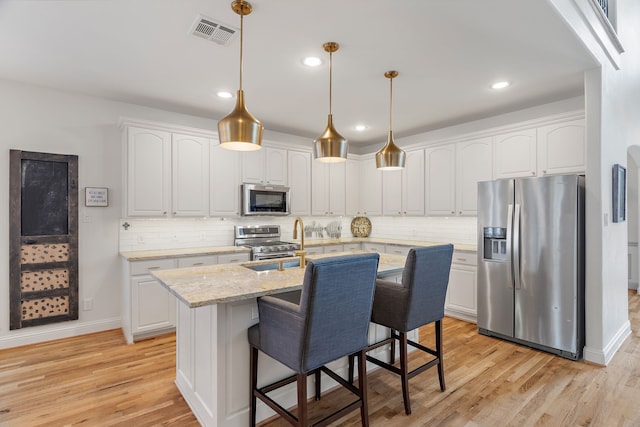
<point x="466" y="258"/>
<point x="196" y="261"/>
<point x="352" y="246"/>
<point x="144" y="267"/>
<point x="333" y="249"/>
<point x="373" y="247"/>
<point x="398" y="250"/>
<point x="232" y="258"/>
<point x="315" y="250"/>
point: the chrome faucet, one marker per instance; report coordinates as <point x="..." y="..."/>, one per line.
<point x="301" y="253"/>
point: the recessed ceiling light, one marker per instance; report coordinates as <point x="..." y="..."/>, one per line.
<point x="223" y="94"/>
<point x="500" y="85"/>
<point x="312" y="61"/>
<point x="361" y="128"/>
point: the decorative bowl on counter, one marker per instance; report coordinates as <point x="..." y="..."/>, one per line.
<point x="360" y="226"/>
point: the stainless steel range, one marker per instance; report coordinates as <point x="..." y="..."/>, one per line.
<point x="264" y="241"/>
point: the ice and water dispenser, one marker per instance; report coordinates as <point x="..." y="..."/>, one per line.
<point x="495" y="243"/>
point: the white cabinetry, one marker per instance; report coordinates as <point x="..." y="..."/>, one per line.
<point x="265" y="166"/>
<point x="440" y="180"/>
<point x="224" y="178"/>
<point x="149" y="308"/>
<point x="328" y="185"/>
<point x="148" y="172"/>
<point x="167" y="174"/>
<point x="299" y="168"/>
<point x="514" y="154"/>
<point x="403" y="191"/>
<point x="473" y="164"/>
<point x="370" y="187"/>
<point x="352" y="187"/>
<point x="461" y="293"/>
<point x="562" y="148"/>
<point x="190" y="175"/>
<point x="373" y="247"/>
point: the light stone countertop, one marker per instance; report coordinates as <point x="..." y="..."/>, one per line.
<point x="182" y="252"/>
<point x="217" y="250"/>
<point x="224" y="283"/>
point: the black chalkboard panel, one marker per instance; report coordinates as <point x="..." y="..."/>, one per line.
<point x="45" y="199"/>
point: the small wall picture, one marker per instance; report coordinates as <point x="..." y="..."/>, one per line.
<point x="96" y="196"/>
<point x="619" y="193"/>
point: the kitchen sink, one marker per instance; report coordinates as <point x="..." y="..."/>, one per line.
<point x="273" y="266"/>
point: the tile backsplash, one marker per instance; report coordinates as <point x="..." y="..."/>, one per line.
<point x="142" y="234"/>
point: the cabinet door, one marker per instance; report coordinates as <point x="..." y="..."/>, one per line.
<point x="224" y="179"/>
<point x="473" y="164"/>
<point x="562" y="148"/>
<point x="461" y="293"/>
<point x="392" y="192"/>
<point x="514" y="154"/>
<point x="275" y="166"/>
<point x="333" y="249"/>
<point x="233" y="258"/>
<point x="299" y="170"/>
<point x="440" y="190"/>
<point x="148" y="172"/>
<point x="190" y="175"/>
<point x="154" y="307"/>
<point x="253" y="166"/>
<point x="352" y="187"/>
<point x="371" y="187"/>
<point x="319" y="188"/>
<point x="337" y="189"/>
<point x="413" y="184"/>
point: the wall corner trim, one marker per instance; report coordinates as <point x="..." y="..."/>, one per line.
<point x="604" y="356"/>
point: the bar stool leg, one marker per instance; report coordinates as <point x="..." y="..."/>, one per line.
<point x="351" y="361"/>
<point x="317" y="381"/>
<point x="404" y="374"/>
<point x="302" y="399"/>
<point x="392" y="358"/>
<point x="362" y="386"/>
<point x="253" y="379"/>
<point x="438" y="326"/>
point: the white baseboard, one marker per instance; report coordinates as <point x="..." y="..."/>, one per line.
<point x="604" y="356"/>
<point x="38" y="334"/>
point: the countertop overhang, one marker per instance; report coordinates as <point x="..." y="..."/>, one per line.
<point x="225" y="283"/>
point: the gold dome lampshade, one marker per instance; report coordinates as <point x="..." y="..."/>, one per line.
<point x="239" y="130"/>
<point x="390" y="157"/>
<point x="330" y="147"/>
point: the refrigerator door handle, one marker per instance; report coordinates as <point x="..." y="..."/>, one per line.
<point x="516" y="248"/>
<point x="509" y="251"/>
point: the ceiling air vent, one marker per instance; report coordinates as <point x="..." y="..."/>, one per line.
<point x="215" y="31"/>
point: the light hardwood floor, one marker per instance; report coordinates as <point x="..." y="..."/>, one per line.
<point x="99" y="380"/>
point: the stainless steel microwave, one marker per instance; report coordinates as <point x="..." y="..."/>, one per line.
<point x="265" y="200"/>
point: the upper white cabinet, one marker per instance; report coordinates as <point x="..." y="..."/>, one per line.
<point x="370" y="187"/>
<point x="328" y="188"/>
<point x="167" y="174"/>
<point x="299" y="169"/>
<point x="473" y="164"/>
<point x="148" y="172"/>
<point x="265" y="166"/>
<point x="440" y="180"/>
<point x="352" y="187"/>
<point x="190" y="175"/>
<point x="562" y="148"/>
<point x="514" y="154"/>
<point x="224" y="179"/>
<point x="403" y="190"/>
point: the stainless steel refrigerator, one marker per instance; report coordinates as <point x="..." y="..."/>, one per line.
<point x="531" y="262"/>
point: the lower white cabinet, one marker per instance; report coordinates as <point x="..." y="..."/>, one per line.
<point x="149" y="308"/>
<point x="332" y="249"/>
<point x="461" y="294"/>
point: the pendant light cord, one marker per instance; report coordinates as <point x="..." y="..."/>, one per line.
<point x="241" y="32"/>
<point x="390" y="101"/>
<point x="330" y="78"/>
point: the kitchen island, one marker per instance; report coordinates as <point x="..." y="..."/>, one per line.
<point x="216" y="306"/>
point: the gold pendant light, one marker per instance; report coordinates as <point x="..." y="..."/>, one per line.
<point x="390" y="157"/>
<point x="240" y="131"/>
<point x="330" y="147"/>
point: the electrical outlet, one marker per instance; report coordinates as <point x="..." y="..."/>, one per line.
<point x="203" y="235"/>
<point x="87" y="304"/>
<point x="254" y="312"/>
<point x="174" y="237"/>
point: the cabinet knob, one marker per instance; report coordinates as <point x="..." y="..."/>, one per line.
<point x="174" y="213"/>
<point x="544" y="172"/>
<point x="164" y="212"/>
<point x="460" y="212"/>
<point x="533" y="173"/>
<point x="452" y="212"/>
<point x="399" y="213"/>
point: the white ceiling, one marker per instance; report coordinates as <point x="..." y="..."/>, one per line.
<point x="447" y="52"/>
